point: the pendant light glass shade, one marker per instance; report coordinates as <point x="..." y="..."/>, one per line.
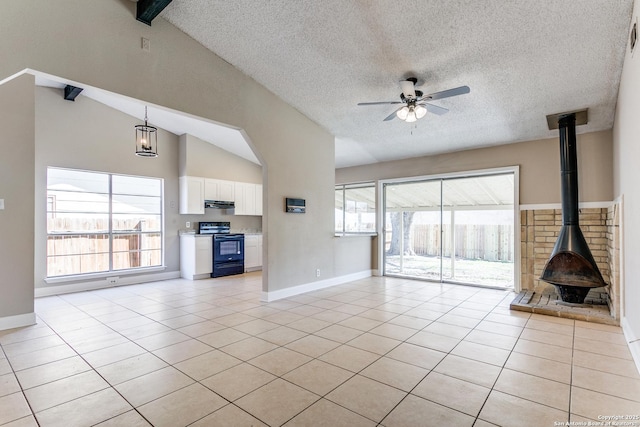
<point x="146" y="139"/>
<point x="402" y="113"/>
<point x="411" y="116"/>
<point x="410" y="113"/>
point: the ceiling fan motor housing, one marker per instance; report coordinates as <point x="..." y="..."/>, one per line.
<point x="419" y="94"/>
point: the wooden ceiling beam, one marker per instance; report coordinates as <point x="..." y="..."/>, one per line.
<point x="147" y="10"/>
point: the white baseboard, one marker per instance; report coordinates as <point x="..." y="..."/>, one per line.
<point x="313" y="286"/>
<point x="17" y="321"/>
<point x="90" y="285"/>
<point x="197" y="276"/>
<point x="633" y="341"/>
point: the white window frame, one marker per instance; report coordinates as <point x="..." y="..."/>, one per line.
<point x="110" y="233"/>
<point x="344" y="188"/>
<point x="462" y="174"/>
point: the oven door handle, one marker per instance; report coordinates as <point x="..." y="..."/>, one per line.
<point x="221" y="237"/>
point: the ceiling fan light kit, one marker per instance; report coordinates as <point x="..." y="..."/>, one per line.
<point x="411" y="113"/>
<point x="415" y="102"/>
<point x="403" y="113"/>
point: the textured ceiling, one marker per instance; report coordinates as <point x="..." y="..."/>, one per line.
<point x="521" y="59"/>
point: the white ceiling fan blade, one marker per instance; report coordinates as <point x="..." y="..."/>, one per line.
<point x="435" y="109"/>
<point x="408" y="89"/>
<point x="448" y="93"/>
<point x="392" y="115"/>
<point x="380" y="103"/>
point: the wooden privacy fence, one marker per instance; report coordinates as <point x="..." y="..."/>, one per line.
<point x="85" y="253"/>
<point x="485" y="242"/>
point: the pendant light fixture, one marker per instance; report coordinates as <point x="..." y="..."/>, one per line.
<point x="412" y="112"/>
<point x="146" y="139"/>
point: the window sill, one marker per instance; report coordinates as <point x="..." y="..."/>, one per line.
<point x="355" y="234"/>
<point x="102" y="275"/>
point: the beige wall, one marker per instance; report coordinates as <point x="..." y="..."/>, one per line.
<point x="351" y="252"/>
<point x="62" y="128"/>
<point x="539" y="163"/>
<point x="102" y="49"/>
<point x="626" y="150"/>
<point x="87" y="135"/>
<point x="200" y="158"/>
<point x="17" y="110"/>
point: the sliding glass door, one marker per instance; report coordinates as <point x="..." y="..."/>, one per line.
<point x="412" y="229"/>
<point x="456" y="230"/>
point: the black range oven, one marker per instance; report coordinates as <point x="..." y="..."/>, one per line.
<point x="228" y="248"/>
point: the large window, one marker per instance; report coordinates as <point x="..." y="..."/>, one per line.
<point x="99" y="222"/>
<point x="452" y="229"/>
<point x="355" y="208"/>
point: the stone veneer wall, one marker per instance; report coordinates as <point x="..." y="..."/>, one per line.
<point x="613" y="250"/>
<point x="539" y="232"/>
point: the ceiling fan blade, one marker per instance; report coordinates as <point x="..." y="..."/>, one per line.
<point x="380" y="103"/>
<point x="448" y="93"/>
<point x="435" y="109"/>
<point x="408" y="89"/>
<point x="392" y="115"/>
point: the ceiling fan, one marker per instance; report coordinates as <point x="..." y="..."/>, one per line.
<point x="415" y="104"/>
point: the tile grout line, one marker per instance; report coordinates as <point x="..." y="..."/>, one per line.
<point x="150" y="352"/>
<point x="436" y="365"/>
<point x="97" y="373"/>
<point x="339" y="297"/>
<point x="573" y="343"/>
<point x="106" y="325"/>
<point x="24" y="396"/>
<point x="501" y="368"/>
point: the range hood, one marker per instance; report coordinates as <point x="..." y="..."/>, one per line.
<point x="219" y="204"/>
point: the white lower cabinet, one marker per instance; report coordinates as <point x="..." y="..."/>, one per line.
<point x="252" y="252"/>
<point x="196" y="256"/>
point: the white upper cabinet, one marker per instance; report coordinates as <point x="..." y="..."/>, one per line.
<point x="248" y="198"/>
<point x="218" y="189"/>
<point x="258" y="199"/>
<point x="226" y="190"/>
<point x="191" y="195"/>
<point x="195" y="190"/>
<point x="245" y="198"/>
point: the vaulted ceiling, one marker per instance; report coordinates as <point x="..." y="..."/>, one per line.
<point x="521" y="59"/>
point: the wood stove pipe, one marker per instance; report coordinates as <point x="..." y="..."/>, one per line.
<point x="571" y="267"/>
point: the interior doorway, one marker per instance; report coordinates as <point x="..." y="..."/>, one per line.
<point x="453" y="229"/>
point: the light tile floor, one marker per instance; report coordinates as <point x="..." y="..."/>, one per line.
<point x="379" y="351"/>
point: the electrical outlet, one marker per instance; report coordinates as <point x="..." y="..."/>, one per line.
<point x="112" y="280"/>
<point x="1" y="204"/>
<point x="146" y="44"/>
<point x="317" y="272"/>
<point x="188" y="225"/>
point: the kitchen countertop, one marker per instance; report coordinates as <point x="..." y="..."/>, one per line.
<point x="193" y="233"/>
<point x="196" y="234"/>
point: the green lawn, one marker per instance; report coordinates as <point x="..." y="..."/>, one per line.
<point x="477" y="272"/>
